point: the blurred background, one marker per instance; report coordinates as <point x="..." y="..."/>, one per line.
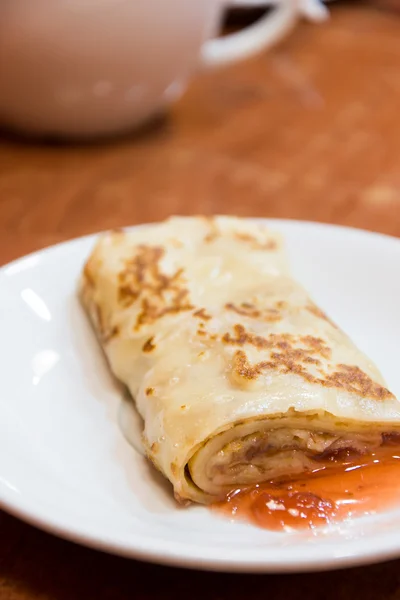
<point x="308" y="129"/>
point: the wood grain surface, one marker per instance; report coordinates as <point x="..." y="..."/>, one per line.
<point x="309" y="131"/>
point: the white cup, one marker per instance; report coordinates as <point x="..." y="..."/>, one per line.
<point x="79" y="68"/>
<point x="312" y="9"/>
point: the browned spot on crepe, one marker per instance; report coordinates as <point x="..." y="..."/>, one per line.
<point x="160" y="294"/>
<point x="243" y="368"/>
<point x="255" y="243"/>
<point x="316" y="344"/>
<point x="353" y="379"/>
<point x="213" y="231"/>
<point x="149" y="391"/>
<point x="281" y="304"/>
<point x="316" y="311"/>
<point x="149" y="346"/>
<point x="246" y="309"/>
<point x="202" y="314"/>
<point x="290" y="354"/>
<point x="242" y="337"/>
<point x="283" y="342"/>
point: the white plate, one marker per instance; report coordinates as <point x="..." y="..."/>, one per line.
<point x="65" y="466"/>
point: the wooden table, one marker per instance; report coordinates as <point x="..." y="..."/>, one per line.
<point x="310" y="131"/>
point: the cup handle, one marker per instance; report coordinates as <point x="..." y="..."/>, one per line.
<point x="263" y="34"/>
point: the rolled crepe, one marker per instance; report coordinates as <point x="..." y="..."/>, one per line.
<point x="239" y="377"/>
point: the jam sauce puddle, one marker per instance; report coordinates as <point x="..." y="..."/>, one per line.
<point x="357" y="486"/>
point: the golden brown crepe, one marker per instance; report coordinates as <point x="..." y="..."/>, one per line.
<point x="239" y="377"/>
